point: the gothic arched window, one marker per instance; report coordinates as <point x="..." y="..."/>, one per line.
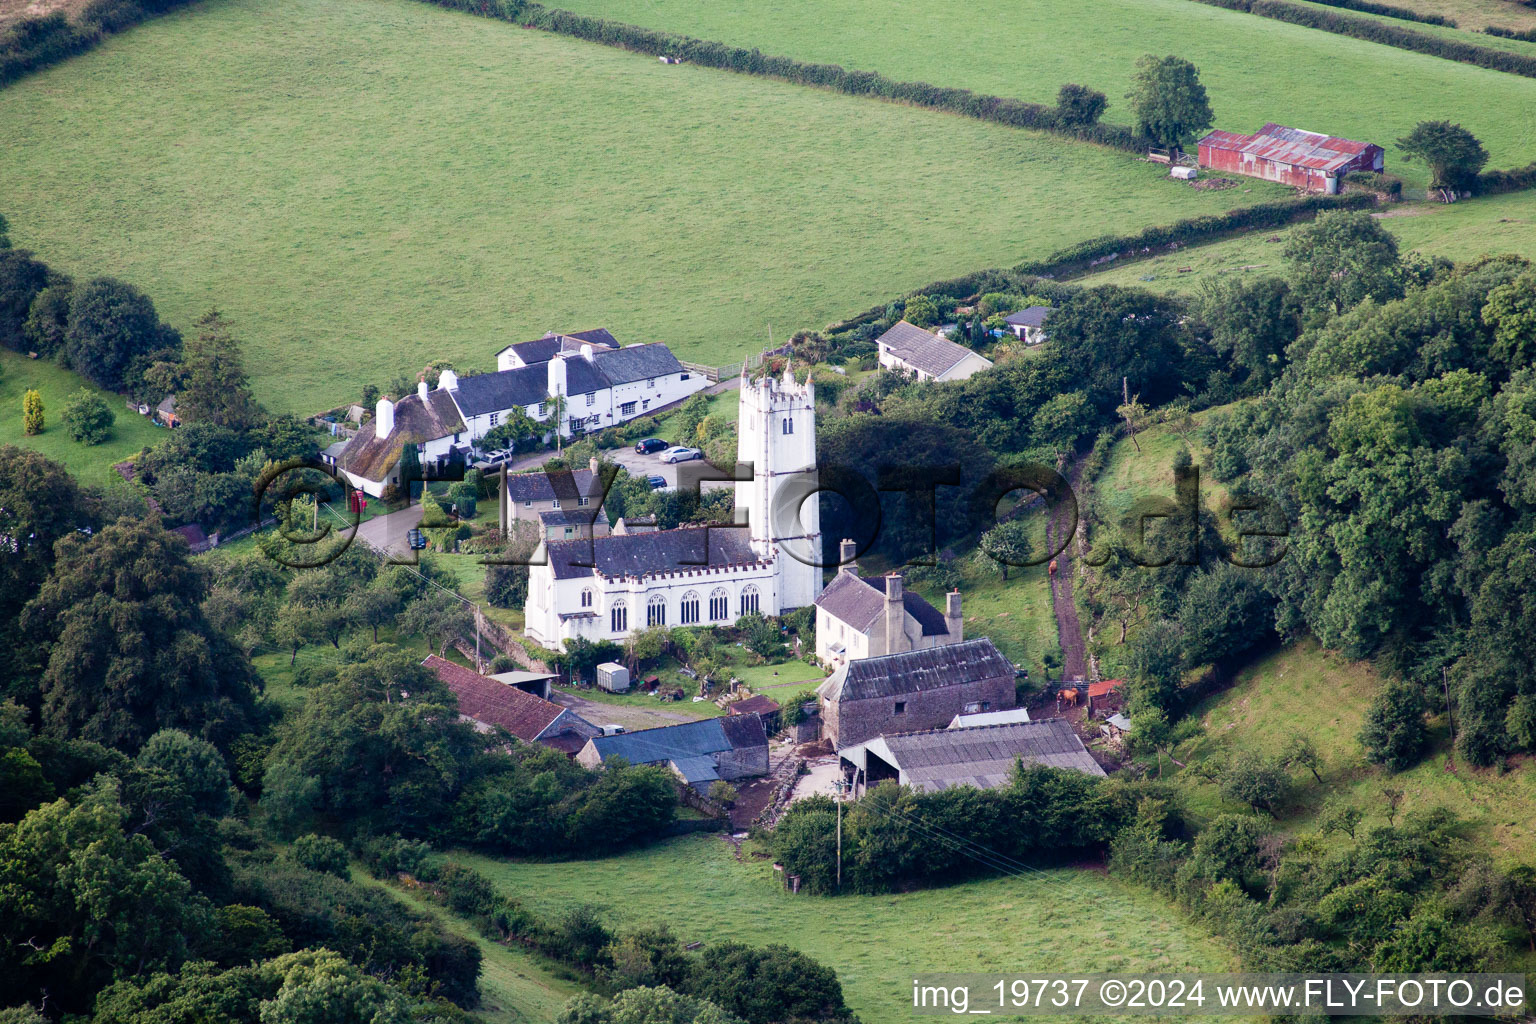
<point x="688" y="614"/>
<point x="618" y="617"/>
<point x="749" y="599"/>
<point x="586" y="598"/>
<point x="719" y="604"/>
<point x="656" y="611"/>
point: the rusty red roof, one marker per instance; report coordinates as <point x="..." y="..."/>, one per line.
<point x="495" y="703"/>
<point x="1294" y="146"/>
<point x="1096" y="690"/>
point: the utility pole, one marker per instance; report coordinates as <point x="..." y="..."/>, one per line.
<point x="839" y="799"/>
<point x="478" y="664"/>
<point x="1445" y="680"/>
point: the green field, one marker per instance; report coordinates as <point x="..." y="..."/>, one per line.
<point x="362" y="188"/>
<point x="1324" y="696"/>
<point x="1062" y="920"/>
<point x="1255" y="69"/>
<point x="1461" y="231"/>
<point x="90" y="464"/>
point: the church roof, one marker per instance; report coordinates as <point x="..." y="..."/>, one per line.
<point x="971" y="661"/>
<point x="860" y="600"/>
<point x="646" y="554"/>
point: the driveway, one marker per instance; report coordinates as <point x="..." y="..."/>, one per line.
<point x="387" y="533"/>
<point x="651" y="465"/>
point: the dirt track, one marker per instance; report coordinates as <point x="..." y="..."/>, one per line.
<point x="1074" y="652"/>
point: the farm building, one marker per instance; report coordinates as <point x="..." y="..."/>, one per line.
<point x="764" y="707"/>
<point x="697" y="752"/>
<point x="970" y="720"/>
<point x="1291" y="156"/>
<point x="926" y="356"/>
<point x="1028" y="325"/>
<point x="913" y="690"/>
<point x="865" y="617"/>
<point x="982" y="756"/>
<point x="492" y="702"/>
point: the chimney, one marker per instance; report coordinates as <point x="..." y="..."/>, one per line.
<point x="421" y="390"/>
<point x="586" y="352"/>
<point x="953" y="621"/>
<point x="384" y="417"/>
<point x="848" y="555"/>
<point x="557" y="375"/>
<point x="448" y="381"/>
<point x="896" y="640"/>
<point x="592" y="465"/>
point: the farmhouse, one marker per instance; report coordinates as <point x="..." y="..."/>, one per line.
<point x="697" y="752"/>
<point x="490" y="703"/>
<point x="913" y="690"/>
<point x="910" y="349"/>
<point x="863" y="617"/>
<point x="1306" y="160"/>
<point x="1028" y="325"/>
<point x="609" y="587"/>
<point x="530" y="496"/>
<point x="601" y="383"/>
<point x="981" y="756"/>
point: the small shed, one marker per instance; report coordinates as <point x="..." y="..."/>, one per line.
<point x="765" y="707"/>
<point x="613" y="677"/>
<point x="165" y="412"/>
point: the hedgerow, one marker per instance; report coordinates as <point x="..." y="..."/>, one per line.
<point x="32" y="44"/>
<point x="1388" y="11"/>
<point x="1388" y="35"/>
<point x="1528" y="35"/>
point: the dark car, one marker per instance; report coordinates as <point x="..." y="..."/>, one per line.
<point x="651" y="444"/>
<point x="656" y="482"/>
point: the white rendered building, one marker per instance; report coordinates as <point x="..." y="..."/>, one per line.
<point x="606" y="588"/>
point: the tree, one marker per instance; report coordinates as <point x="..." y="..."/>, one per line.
<point x="1168" y="102"/>
<point x="1301" y="752"/>
<point x="111" y="326"/>
<point x="920" y="311"/>
<point x="1079" y="106"/>
<point x="1251" y="322"/>
<point x="1062" y="421"/>
<point x="21" y="279"/>
<point x="1342" y="257"/>
<point x="1256" y="781"/>
<point x="441" y="618"/>
<point x="321" y="853"/>
<point x="1511" y="312"/>
<point x="1008" y="544"/>
<point x="217" y="389"/>
<point x="374" y="606"/>
<point x="32" y="412"/>
<point x="132" y="652"/>
<point x="1394" y="734"/>
<point x="87" y="417"/>
<point x="1453" y="154"/>
<point x="48" y="317"/>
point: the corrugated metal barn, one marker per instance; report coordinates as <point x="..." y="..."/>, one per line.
<point x="1291" y="156"/>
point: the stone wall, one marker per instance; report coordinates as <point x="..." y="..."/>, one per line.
<point x="745" y="763"/>
<point x="854" y="721"/>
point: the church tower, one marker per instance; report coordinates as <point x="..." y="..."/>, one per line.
<point x="776" y="431"/>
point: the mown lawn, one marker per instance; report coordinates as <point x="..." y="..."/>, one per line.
<point x="1461" y="231"/>
<point x="89" y="464"/>
<point x="1255" y="69"/>
<point x="365" y="187"/>
<point x="1060" y="920"/>
<point x="1324" y="696"/>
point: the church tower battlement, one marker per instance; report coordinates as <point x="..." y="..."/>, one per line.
<point x="776" y="433"/>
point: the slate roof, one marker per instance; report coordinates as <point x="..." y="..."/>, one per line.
<point x="917" y="348"/>
<point x="1034" y="316"/>
<point x="684" y="741"/>
<point x="544" y="349"/>
<point x="504" y="389"/>
<point x="637" y="362"/>
<point x="975" y="718"/>
<point x="486" y="700"/>
<point x="569" y="517"/>
<point x="547" y="485"/>
<point x="371" y="457"/>
<point x="970" y="661"/>
<point x="644" y="554"/>
<point x="1294" y="146"/>
<point x="860" y="600"/>
<point x="695" y="770"/>
<point x="758" y="705"/>
<point x="984" y="756"/>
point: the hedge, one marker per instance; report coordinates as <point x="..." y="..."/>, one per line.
<point x="1388" y="11"/>
<point x="32" y="44"/>
<point x="1529" y="35"/>
<point x="1388" y="35"/>
<point x="998" y="109"/>
<point x="1273" y="214"/>
<point x="1513" y="180"/>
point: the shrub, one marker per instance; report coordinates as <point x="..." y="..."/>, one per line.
<point x="32" y="412"/>
<point x="1080" y="106"/>
<point x="321" y="853"/>
<point x="1529" y="35"/>
<point x="87" y="417"/>
<point x="1394" y="734"/>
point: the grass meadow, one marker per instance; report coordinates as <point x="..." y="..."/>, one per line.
<point x="1461" y="231"/>
<point x="362" y="188"/>
<point x="1059" y="920"/>
<point x="1255" y="69"/>
<point x="90" y="464"/>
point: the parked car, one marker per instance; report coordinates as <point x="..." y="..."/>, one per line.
<point x="681" y="453"/>
<point x="650" y="444"/>
<point x="656" y="482"/>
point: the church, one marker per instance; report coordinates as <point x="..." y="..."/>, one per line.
<point x="607" y="588"/>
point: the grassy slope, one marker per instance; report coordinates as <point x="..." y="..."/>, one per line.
<point x="1255" y="69"/>
<point x="1324" y="696"/>
<point x="364" y="188"/>
<point x="516" y="986"/>
<point x="1461" y="231"/>
<point x="90" y="464"/>
<point x="1062" y="920"/>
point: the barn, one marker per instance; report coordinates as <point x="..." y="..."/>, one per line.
<point x="1291" y="156"/>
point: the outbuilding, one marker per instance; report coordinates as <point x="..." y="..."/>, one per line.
<point x="1291" y="156"/>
